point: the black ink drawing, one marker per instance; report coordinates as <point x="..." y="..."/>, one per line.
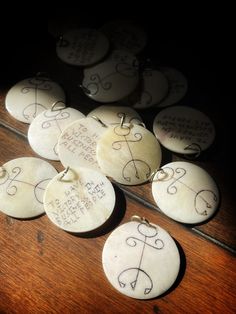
<point x="194" y="147"/>
<point x="35" y="84"/>
<point x="53" y="118"/>
<point x="10" y="180"/>
<point x="98" y="82"/>
<point x="202" y="198"/>
<point x="135" y="163"/>
<point x="138" y="274"/>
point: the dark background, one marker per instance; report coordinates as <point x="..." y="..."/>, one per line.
<point x="195" y="39"/>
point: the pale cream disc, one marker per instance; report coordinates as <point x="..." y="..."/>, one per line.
<point x="129" y="153"/>
<point x="178" y="86"/>
<point x="77" y="143"/>
<point x="125" y="35"/>
<point x="82" y="47"/>
<point x="22" y="184"/>
<point x="80" y="201"/>
<point x="110" y="81"/>
<point x="45" y="129"/>
<point x="109" y="114"/>
<point x="185" y="192"/>
<point x="140" y="261"/>
<point x="184" y="130"/>
<point x="28" y="98"/>
<point x="154" y="89"/>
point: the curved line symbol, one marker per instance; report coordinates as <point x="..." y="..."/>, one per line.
<point x="133" y="283"/>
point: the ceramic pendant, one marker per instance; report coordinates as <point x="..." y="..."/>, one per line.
<point x="113" y="114"/>
<point x="82" y="47"/>
<point x="185" y="192"/>
<point x="154" y="89"/>
<point x="22" y="185"/>
<point x="184" y="130"/>
<point x="79" y="200"/>
<point x="140" y="260"/>
<point x="44" y="131"/>
<point x="77" y="143"/>
<point x="178" y="86"/>
<point x="28" y="98"/>
<point x="111" y="80"/>
<point x="128" y="153"/>
<point x="125" y="35"/>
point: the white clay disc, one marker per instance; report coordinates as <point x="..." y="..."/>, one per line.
<point x="110" y="80"/>
<point x="112" y="114"/>
<point x="154" y="89"/>
<point x="45" y="129"/>
<point x="22" y="185"/>
<point x="77" y="143"/>
<point x="140" y="261"/>
<point x="82" y="47"/>
<point x="28" y="98"/>
<point x="81" y="201"/>
<point x="185" y="192"/>
<point x="125" y="35"/>
<point x="178" y="86"/>
<point x="183" y="130"/>
<point x="129" y="153"/>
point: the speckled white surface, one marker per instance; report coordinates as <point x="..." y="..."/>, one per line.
<point x="128" y="153"/>
<point x="77" y="143"/>
<point x="81" y="201"/>
<point x="183" y="130"/>
<point x="185" y="192"/>
<point x="29" y="97"/>
<point x="45" y="129"/>
<point x="139" y="261"/>
<point x="22" y="185"/>
<point x="110" y="114"/>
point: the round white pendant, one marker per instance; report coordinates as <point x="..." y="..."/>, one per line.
<point x="22" y="185"/>
<point x="28" y="98"/>
<point x="77" y="143"/>
<point x="184" y="130"/>
<point x="128" y="153"/>
<point x="113" y="114"/>
<point x="178" y="86"/>
<point x="125" y="35"/>
<point x="80" y="200"/>
<point x="82" y="47"/>
<point x="140" y="261"/>
<point x="154" y="89"/>
<point x="185" y="192"/>
<point x="45" y="129"/>
<point x="110" y="80"/>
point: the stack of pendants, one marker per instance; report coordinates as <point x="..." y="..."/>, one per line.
<point x="111" y="141"/>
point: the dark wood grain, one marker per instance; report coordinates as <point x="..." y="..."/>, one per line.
<point x="44" y="269"/>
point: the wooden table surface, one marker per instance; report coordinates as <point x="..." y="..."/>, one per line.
<point x="46" y="270"/>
